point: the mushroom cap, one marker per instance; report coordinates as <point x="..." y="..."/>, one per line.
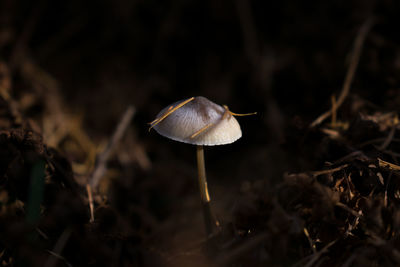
<point x="199" y="122"/>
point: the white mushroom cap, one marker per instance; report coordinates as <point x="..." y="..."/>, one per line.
<point x="198" y="122"/>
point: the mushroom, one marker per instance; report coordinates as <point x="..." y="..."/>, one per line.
<point x="200" y="122"/>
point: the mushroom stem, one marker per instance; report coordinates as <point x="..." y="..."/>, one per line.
<point x="205" y="197"/>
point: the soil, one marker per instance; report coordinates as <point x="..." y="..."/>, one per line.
<point x="80" y="81"/>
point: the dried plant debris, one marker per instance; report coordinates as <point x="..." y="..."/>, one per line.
<point x="346" y="214"/>
<point x="44" y="214"/>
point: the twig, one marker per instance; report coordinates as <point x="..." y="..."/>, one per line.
<point x="170" y="110"/>
<point x="355" y="58"/>
<point x="350" y="260"/>
<point x="385" y="200"/>
<point x="389" y="138"/>
<point x="350" y="210"/>
<point x="101" y="166"/>
<point x="333" y="110"/>
<point x="105" y="155"/>
<point x="59" y="257"/>
<point x="312" y="244"/>
<point x="390" y="166"/>
<point x="318" y="173"/>
<point x="91" y="205"/>
<point x="319" y="253"/>
<point x="41" y="233"/>
<point x="334" y="134"/>
<point x="347" y="177"/>
<point x="58" y="247"/>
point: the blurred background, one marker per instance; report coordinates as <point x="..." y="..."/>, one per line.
<point x="72" y="68"/>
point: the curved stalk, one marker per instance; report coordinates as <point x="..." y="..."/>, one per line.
<point x="205" y="197"/>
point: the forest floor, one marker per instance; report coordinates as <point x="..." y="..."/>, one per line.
<point x="314" y="181"/>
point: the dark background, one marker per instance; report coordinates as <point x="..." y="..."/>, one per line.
<point x="282" y="59"/>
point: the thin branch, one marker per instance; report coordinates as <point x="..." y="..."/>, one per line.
<point x="318" y="173"/>
<point x="388" y="165"/>
<point x="58" y="247"/>
<point x="355" y="58"/>
<point x="317" y="255"/>
<point x="348" y="209"/>
<point x="385" y="200"/>
<point x="312" y="243"/>
<point x="90" y="198"/>
<point x="100" y="168"/>
<point x="389" y="138"/>
<point x="170" y="110"/>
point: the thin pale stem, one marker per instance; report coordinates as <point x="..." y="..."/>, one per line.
<point x="205" y="197"/>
